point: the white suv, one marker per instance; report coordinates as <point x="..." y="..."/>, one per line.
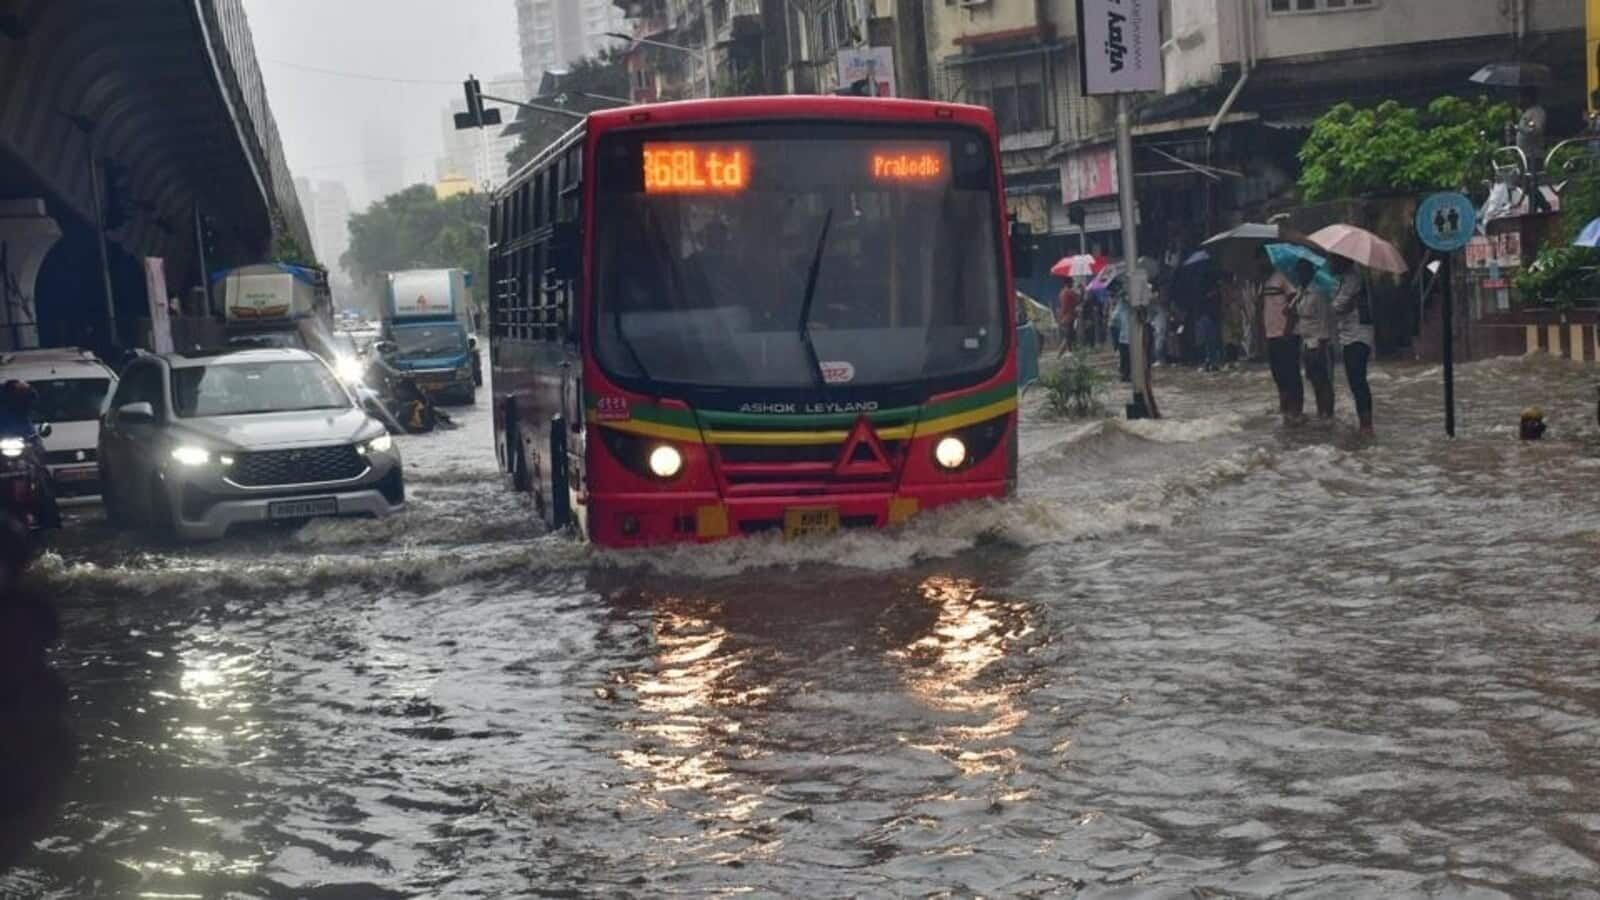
<point x="74" y="388"/>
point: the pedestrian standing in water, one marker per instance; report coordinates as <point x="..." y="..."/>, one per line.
<point x="1283" y="343"/>
<point x="1352" y="305"/>
<point x="1313" y="310"/>
<point x="1122" y="329"/>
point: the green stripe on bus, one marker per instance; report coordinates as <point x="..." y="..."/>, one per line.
<point x="682" y="418"/>
<point x="970" y="402"/>
<point x="897" y="416"/>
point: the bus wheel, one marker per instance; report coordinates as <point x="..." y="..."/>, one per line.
<point x="560" y="494"/>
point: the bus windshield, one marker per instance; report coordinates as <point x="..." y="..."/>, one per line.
<point x="799" y="257"/>
<point x="446" y="339"/>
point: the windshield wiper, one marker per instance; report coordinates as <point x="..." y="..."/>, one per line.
<point x="622" y="338"/>
<point x="805" y="304"/>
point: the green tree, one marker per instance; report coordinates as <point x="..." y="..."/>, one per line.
<point x="584" y="88"/>
<point x="1563" y="275"/>
<point x="1396" y="149"/>
<point x="413" y="229"/>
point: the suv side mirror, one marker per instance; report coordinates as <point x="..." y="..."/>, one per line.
<point x="385" y="348"/>
<point x="141" y="413"/>
<point x="472" y="342"/>
<point x="44" y="429"/>
<point x="566" y="252"/>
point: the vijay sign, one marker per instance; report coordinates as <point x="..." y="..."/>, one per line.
<point x="1119" y="45"/>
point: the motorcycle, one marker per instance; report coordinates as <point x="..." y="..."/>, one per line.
<point x="396" y="399"/>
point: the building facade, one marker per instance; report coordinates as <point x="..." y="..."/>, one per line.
<point x="553" y="34"/>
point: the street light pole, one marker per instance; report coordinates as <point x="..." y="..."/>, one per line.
<point x="703" y="54"/>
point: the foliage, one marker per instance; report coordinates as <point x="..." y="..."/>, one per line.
<point x="1074" y="389"/>
<point x="1393" y="148"/>
<point x="1564" y="275"/>
<point x="582" y="89"/>
<point x="413" y="229"/>
<point x="286" y="249"/>
<point x="1561" y="277"/>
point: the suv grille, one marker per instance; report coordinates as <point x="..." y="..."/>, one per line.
<point x="69" y="457"/>
<point x="310" y="465"/>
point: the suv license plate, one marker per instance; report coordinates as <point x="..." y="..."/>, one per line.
<point x="810" y="521"/>
<point x="303" y="509"/>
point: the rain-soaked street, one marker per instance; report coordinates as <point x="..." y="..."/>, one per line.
<point x="1197" y="657"/>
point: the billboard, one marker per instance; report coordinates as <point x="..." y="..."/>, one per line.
<point x="874" y="65"/>
<point x="1119" y="45"/>
<point x="1088" y="174"/>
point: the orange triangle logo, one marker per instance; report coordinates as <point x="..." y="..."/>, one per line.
<point x="863" y="454"/>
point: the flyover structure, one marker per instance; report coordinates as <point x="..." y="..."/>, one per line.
<point x="129" y="133"/>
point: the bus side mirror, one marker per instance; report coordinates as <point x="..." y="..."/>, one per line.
<point x="1021" y="250"/>
<point x="44" y="429"/>
<point x="566" y="252"/>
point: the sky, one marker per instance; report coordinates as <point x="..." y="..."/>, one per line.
<point x="350" y="130"/>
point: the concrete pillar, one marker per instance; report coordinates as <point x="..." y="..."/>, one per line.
<point x="26" y="234"/>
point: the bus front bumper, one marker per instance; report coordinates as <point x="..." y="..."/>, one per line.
<point x="636" y="520"/>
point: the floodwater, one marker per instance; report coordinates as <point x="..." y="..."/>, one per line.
<point x="1198" y="657"/>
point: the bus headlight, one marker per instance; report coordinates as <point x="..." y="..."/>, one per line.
<point x="11" y="447"/>
<point x="950" y="452"/>
<point x="666" y="461"/>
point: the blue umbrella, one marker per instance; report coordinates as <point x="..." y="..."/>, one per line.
<point x="1285" y="257"/>
<point x="1590" y="236"/>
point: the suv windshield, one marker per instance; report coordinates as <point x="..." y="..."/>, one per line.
<point x="238" y="389"/>
<point x="755" y="256"/>
<point x="69" y="399"/>
<point x="442" y="340"/>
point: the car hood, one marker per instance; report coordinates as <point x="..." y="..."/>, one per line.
<point x="286" y="429"/>
<point x="73" y="436"/>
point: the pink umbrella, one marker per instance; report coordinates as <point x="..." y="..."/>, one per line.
<point x="1080" y="266"/>
<point x="1361" y="246"/>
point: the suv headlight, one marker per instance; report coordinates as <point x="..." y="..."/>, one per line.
<point x="190" y="455"/>
<point x="383" y="443"/>
<point x="12" y="447"/>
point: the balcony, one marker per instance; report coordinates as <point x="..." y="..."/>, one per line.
<point x="735" y="20"/>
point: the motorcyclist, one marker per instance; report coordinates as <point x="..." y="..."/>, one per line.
<point x="17" y="399"/>
<point x="409" y="404"/>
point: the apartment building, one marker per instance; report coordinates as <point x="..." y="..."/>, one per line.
<point x="553" y="34"/>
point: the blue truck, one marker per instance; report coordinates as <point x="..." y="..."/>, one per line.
<point x="427" y="317"/>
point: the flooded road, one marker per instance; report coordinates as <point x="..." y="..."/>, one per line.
<point x="1197" y="657"/>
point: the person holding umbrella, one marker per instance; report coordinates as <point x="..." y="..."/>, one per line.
<point x="1283" y="343"/>
<point x="1313" y="311"/>
<point x="1348" y="247"/>
<point x="1352" y="308"/>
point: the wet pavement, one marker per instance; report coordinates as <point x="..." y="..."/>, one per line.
<point x="1198" y="657"/>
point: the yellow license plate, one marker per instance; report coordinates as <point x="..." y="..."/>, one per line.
<point x="810" y="521"/>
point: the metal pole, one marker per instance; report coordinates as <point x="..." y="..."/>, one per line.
<point x="100" y="241"/>
<point x="200" y="255"/>
<point x="1143" y="405"/>
<point x="1449" y="345"/>
<point x="1083" y="231"/>
<point x="705" y="55"/>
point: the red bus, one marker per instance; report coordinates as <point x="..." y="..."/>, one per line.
<point x="723" y="317"/>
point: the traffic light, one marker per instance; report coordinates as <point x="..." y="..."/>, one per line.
<point x="1076" y="214"/>
<point x="475" y="116"/>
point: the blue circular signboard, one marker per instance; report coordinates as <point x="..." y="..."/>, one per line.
<point x="1446" y="221"/>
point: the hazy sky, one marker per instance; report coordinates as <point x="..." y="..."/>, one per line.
<point x="344" y="129"/>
